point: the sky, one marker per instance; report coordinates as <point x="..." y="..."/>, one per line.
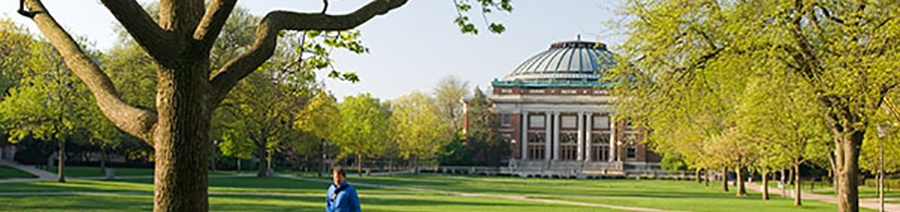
<point x="412" y="47"/>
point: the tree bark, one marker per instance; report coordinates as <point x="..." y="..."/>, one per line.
<point x="848" y="170"/>
<point x="103" y="158"/>
<point x="181" y="137"/>
<point x="790" y="179"/>
<point x="186" y="97"/>
<point x="831" y="172"/>
<point x="725" y="179"/>
<point x="741" y="191"/>
<point x="706" y="181"/>
<point x="61" y="156"/>
<point x="697" y="176"/>
<point x="797" y="191"/>
<point x="262" y="158"/>
<point x="238" y="165"/>
<point x="359" y="162"/>
<point x="765" y="184"/>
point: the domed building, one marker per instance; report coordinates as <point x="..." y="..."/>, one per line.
<point x="558" y="116"/>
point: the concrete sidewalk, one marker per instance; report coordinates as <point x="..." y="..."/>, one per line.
<point x="863" y="203"/>
<point x="41" y="174"/>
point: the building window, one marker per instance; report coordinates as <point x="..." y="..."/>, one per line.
<point x="600" y="138"/>
<point x="536" y="91"/>
<point x="535" y="152"/>
<point x="506" y="90"/>
<point x="536" y="121"/>
<point x="569" y="91"/>
<point x="568" y="146"/>
<point x="599" y="152"/>
<point x="601" y="122"/>
<point x="535" y="137"/>
<point x="505" y="120"/>
<point x="631" y="152"/>
<point x="569" y="122"/>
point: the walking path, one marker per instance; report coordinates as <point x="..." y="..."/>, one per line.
<point x="466" y="194"/>
<point x="41" y="174"/>
<point x="865" y="203"/>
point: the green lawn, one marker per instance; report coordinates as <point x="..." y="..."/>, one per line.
<point x="7" y="172"/>
<point x="94" y="171"/>
<point x="281" y="194"/>
<point x="670" y="195"/>
<point x="826" y="189"/>
<point x="251" y="194"/>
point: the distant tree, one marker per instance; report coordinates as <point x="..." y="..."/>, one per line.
<point x="363" y="128"/>
<point x="843" y="51"/>
<point x="483" y="141"/>
<point x="449" y="93"/>
<point x="417" y="128"/>
<point x="320" y="118"/>
<point x="189" y="90"/>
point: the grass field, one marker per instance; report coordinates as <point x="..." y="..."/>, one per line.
<point x="7" y="172"/>
<point x="826" y="189"/>
<point x="282" y="194"/>
<point x="87" y="171"/>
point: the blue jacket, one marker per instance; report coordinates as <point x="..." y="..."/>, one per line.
<point x="345" y="201"/>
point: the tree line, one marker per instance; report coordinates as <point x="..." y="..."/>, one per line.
<point x="764" y="86"/>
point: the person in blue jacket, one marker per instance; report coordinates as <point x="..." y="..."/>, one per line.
<point x="341" y="196"/>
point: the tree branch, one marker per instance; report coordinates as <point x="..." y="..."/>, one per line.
<point x="267" y="35"/>
<point x="212" y="22"/>
<point x="141" y="26"/>
<point x="130" y="119"/>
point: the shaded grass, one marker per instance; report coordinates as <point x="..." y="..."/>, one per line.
<point x="7" y="172"/>
<point x="865" y="191"/>
<point x="92" y="171"/>
<point x="133" y="202"/>
<point x="670" y="195"/>
<point x="280" y="194"/>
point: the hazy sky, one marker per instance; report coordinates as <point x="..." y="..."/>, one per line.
<point x="411" y="47"/>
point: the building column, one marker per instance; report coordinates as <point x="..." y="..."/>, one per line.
<point x="556" y="120"/>
<point x="612" y="138"/>
<point x="580" y="122"/>
<point x="548" y="136"/>
<point x="524" y="141"/>
<point x="587" y="136"/>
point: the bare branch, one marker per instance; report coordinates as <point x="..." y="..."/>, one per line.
<point x="130" y="119"/>
<point x="267" y="35"/>
<point x="213" y="22"/>
<point x="141" y="26"/>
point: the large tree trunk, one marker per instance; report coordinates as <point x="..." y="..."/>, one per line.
<point x="181" y="137"/>
<point x="741" y="191"/>
<point x="725" y="179"/>
<point x="847" y="159"/>
<point x="61" y="165"/>
<point x="261" y="162"/>
<point x="797" y="191"/>
<point x="765" y="184"/>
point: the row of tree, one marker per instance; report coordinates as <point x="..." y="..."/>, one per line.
<point x="280" y="107"/>
<point x="179" y="39"/>
<point x="764" y="86"/>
